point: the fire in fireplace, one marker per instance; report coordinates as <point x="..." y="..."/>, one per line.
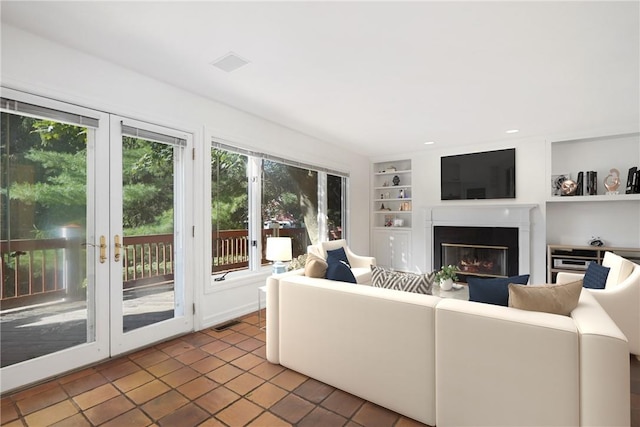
<point x="476" y="260"/>
<point x="477" y="251"/>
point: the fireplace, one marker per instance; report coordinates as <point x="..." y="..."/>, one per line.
<point x="476" y="235"/>
<point x="477" y="251"/>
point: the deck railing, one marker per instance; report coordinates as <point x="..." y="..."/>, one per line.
<point x="44" y="269"/>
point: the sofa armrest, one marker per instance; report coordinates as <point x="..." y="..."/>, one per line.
<point x="621" y="303"/>
<point x="564" y="277"/>
<point x="359" y="261"/>
<point x="604" y="366"/>
<point x="273" y="316"/>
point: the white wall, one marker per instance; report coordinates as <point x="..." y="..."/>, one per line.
<point x="33" y="64"/>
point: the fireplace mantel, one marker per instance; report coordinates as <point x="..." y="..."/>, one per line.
<point x="515" y="215"/>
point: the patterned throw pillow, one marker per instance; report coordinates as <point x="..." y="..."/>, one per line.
<point x="408" y="282"/>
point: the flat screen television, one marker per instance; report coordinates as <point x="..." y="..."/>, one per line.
<point x="483" y="175"/>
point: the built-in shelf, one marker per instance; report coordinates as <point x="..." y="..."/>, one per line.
<point x="598" y="198"/>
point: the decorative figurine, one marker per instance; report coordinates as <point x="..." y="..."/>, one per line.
<point x="401" y="193"/>
<point x="612" y="181"/>
<point x="568" y="187"/>
<point x="396" y="180"/>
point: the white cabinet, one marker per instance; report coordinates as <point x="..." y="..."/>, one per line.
<point x="392" y="248"/>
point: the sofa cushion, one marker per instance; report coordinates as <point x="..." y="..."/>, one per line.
<point x="401" y="281"/>
<point x="337" y="255"/>
<point x="495" y="290"/>
<point x="554" y="299"/>
<point x="315" y="266"/>
<point x="340" y="271"/>
<point x="596" y="276"/>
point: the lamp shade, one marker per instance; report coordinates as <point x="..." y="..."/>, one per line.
<point x="279" y="248"/>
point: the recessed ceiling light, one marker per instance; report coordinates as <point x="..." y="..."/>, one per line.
<point x="513" y="131"/>
<point x="229" y="62"/>
<point x="429" y="142"/>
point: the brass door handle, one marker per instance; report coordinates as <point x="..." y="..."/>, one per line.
<point x="102" y="246"/>
<point x="118" y="246"/>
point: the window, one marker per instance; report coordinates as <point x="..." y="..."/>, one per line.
<point x="254" y="196"/>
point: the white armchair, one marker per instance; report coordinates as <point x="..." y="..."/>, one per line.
<point x="620" y="298"/>
<point x="360" y="265"/>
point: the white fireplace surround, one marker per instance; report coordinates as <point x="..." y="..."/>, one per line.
<point x="513" y="216"/>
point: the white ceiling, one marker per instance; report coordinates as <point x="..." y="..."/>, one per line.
<point x="381" y="77"/>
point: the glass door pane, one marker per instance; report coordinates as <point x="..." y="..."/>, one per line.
<point x="46" y="282"/>
<point x="148" y="230"/>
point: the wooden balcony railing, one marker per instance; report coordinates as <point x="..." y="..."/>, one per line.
<point x="38" y="270"/>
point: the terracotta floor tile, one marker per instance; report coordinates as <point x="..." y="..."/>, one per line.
<point x="266" y="395"/>
<point x="267" y="370"/>
<point x="41" y="400"/>
<point x="133" y="418"/>
<point x="163" y="368"/>
<point x="108" y="410"/>
<point x="143" y="352"/>
<point x="207" y="364"/>
<point x="215" y="347"/>
<point x="244" y="383"/>
<point x="51" y="414"/>
<point x="192" y="356"/>
<point x="34" y="390"/>
<point x="230" y="354"/>
<point x="148" y="391"/>
<point x="212" y="422"/>
<point x="83" y="384"/>
<point x="250" y="344"/>
<point x="262" y="336"/>
<point x="96" y="396"/>
<point x="218" y="334"/>
<point x="8" y="411"/>
<point x="77" y="420"/>
<point x="164" y="404"/>
<point x="343" y="403"/>
<point x="151" y="358"/>
<point x="292" y="408"/>
<point x="241" y="326"/>
<point x="289" y="380"/>
<point x="371" y="415"/>
<point x="247" y="361"/>
<point x="314" y="391"/>
<point x="234" y="338"/>
<point x="75" y="375"/>
<point x="198" y="339"/>
<point x="260" y="352"/>
<point x="408" y="422"/>
<point x="240" y="413"/>
<point x="127" y="367"/>
<point x="321" y="417"/>
<point x="254" y="330"/>
<point x="197" y="387"/>
<point x="17" y="423"/>
<point x="217" y="399"/>
<point x="267" y="419"/>
<point x="181" y="376"/>
<point x="178" y="348"/>
<point x="224" y="373"/>
<point x="134" y="380"/>
<point x="187" y="416"/>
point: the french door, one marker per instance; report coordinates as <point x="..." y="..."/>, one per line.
<point x="93" y="220"/>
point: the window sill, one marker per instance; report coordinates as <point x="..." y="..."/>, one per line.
<point x="237" y="279"/>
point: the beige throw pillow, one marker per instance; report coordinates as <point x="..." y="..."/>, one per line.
<point x="555" y="299"/>
<point x="315" y="266"/>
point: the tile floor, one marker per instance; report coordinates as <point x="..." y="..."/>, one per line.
<point x="205" y="378"/>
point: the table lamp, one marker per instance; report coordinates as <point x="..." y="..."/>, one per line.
<point x="278" y="250"/>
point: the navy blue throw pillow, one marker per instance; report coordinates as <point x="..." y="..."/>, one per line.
<point x="493" y="291"/>
<point x="337" y="255"/>
<point x="340" y="271"/>
<point x="596" y="276"/>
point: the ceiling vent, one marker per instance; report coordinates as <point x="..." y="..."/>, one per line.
<point x="229" y="62"/>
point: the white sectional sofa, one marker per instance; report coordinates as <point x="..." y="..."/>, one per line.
<point x="448" y="362"/>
